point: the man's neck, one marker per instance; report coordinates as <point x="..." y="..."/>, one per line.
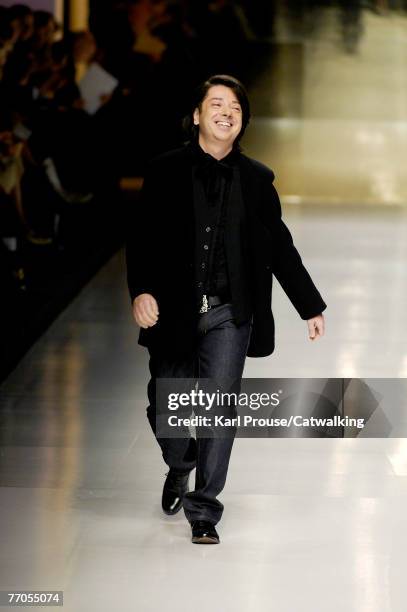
<point x="217" y="150"/>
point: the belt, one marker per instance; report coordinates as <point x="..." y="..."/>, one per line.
<point x="210" y="300"/>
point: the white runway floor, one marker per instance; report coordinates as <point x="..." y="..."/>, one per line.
<point x="309" y="524"/>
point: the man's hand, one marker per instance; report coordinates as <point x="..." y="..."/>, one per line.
<point x="316" y="327"/>
<point x="145" y="310"/>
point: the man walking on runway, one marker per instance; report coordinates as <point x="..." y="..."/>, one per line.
<point x="200" y="262"/>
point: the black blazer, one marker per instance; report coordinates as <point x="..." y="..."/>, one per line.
<point x="160" y="253"/>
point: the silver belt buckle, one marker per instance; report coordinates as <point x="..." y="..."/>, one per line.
<point x="205" y="306"/>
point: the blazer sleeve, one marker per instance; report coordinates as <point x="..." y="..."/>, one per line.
<point x="288" y="268"/>
<point x="141" y="238"/>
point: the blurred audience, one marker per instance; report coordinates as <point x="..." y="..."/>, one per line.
<point x="50" y="147"/>
<point x="60" y="204"/>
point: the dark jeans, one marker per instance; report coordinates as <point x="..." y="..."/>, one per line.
<point x="219" y="355"/>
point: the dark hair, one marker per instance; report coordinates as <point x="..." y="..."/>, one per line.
<point x="42" y="19"/>
<point x="6" y="30"/>
<point x="191" y="130"/>
<point x="19" y="11"/>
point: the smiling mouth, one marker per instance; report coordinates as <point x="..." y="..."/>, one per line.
<point x="226" y="124"/>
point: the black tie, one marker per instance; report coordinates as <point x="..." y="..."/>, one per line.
<point x="211" y="171"/>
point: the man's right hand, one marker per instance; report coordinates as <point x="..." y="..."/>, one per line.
<point x="145" y="310"/>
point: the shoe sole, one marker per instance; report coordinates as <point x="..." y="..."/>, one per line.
<point x="204" y="540"/>
<point x="171" y="512"/>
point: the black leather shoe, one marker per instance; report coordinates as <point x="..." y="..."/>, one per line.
<point x="203" y="532"/>
<point x="175" y="487"/>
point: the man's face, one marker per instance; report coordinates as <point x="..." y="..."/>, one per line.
<point x="220" y="117"/>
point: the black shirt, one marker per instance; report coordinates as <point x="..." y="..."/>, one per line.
<point x="212" y="180"/>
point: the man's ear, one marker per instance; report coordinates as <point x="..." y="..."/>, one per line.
<point x="196" y="116"/>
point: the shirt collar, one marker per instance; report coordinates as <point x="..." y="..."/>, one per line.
<point x="201" y="156"/>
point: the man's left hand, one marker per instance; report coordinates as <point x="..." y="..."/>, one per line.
<point x="316" y="327"/>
